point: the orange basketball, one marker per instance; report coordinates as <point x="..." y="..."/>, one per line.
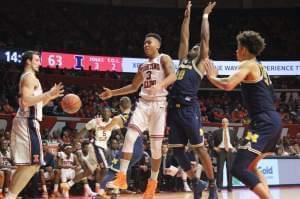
<point x="70" y="103"/>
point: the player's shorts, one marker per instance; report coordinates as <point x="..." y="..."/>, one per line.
<point x="26" y="143"/>
<point x="101" y="157"/>
<point x="263" y="134"/>
<point x="184" y="125"/>
<point x="150" y="115"/>
<point x="67" y="174"/>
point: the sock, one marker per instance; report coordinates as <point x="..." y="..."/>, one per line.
<point x="6" y="189"/>
<point x="87" y="188"/>
<point x="97" y="187"/>
<point x="71" y="183"/>
<point x="0" y="190"/>
<point x="44" y="188"/>
<point x="185" y="183"/>
<point x="11" y="195"/>
<point x="55" y="188"/>
<point x="154" y="175"/>
<point x="124" y="165"/>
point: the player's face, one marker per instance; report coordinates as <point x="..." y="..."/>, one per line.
<point x="4" y="144"/>
<point x="194" y="52"/>
<point x="85" y="149"/>
<point x="164" y="149"/>
<point x="35" y="63"/>
<point x="115" y="144"/>
<point x="151" y="46"/>
<point x="68" y="150"/>
<point x="240" y="52"/>
<point x="106" y="114"/>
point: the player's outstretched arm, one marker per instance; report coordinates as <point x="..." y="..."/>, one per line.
<point x="185" y="33"/>
<point x="56" y="91"/>
<point x="228" y="83"/>
<point x="131" y="88"/>
<point x="205" y="33"/>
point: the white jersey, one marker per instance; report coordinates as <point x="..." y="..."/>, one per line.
<point x="101" y="137"/>
<point x="153" y="73"/>
<point x="67" y="161"/>
<point x="35" y="111"/>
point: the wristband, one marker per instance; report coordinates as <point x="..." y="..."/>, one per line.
<point x="205" y="16"/>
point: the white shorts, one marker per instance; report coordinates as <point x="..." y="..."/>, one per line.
<point x="150" y="115"/>
<point x="26" y="143"/>
<point x="67" y="174"/>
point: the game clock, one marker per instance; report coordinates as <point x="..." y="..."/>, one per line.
<point x="11" y="56"/>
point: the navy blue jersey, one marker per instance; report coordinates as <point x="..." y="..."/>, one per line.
<point x="258" y="96"/>
<point x="185" y="88"/>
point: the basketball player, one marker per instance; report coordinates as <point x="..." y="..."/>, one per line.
<point x="97" y="155"/>
<point x="26" y="145"/>
<point x="156" y="74"/>
<point x="121" y="121"/>
<point x="184" y="111"/>
<point x="67" y="163"/>
<point x="257" y="91"/>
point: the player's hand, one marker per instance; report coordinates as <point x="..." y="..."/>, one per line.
<point x="106" y="94"/>
<point x="187" y="11"/>
<point x="155" y="89"/>
<point x="56" y="91"/>
<point x="209" y="7"/>
<point x="211" y="70"/>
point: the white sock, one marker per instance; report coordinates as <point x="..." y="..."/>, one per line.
<point x="71" y="183"/>
<point x="185" y="183"/>
<point x="44" y="188"/>
<point x="11" y="195"/>
<point x="0" y="190"/>
<point x="154" y="175"/>
<point x="124" y="165"/>
<point x="55" y="188"/>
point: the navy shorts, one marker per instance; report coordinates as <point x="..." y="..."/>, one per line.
<point x="263" y="134"/>
<point x="184" y="126"/>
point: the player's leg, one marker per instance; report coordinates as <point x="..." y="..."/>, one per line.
<point x="20" y="179"/>
<point x="43" y="182"/>
<point x="7" y="179"/>
<point x="241" y="171"/>
<point x="2" y="179"/>
<point x="138" y="123"/>
<point x="192" y="128"/>
<point x="157" y="124"/>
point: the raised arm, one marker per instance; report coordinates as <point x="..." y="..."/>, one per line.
<point x="205" y="33"/>
<point x="131" y="88"/>
<point x="228" y="83"/>
<point x="185" y="33"/>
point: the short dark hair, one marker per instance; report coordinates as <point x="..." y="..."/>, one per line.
<point x="28" y="55"/>
<point x="251" y="40"/>
<point x="155" y="35"/>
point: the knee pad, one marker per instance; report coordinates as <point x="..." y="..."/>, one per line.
<point x="156" y="148"/>
<point x="130" y="138"/>
<point x="182" y="158"/>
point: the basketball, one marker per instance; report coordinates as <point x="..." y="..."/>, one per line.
<point x="71" y="103"/>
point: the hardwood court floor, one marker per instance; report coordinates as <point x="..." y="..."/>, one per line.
<point x="277" y="193"/>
